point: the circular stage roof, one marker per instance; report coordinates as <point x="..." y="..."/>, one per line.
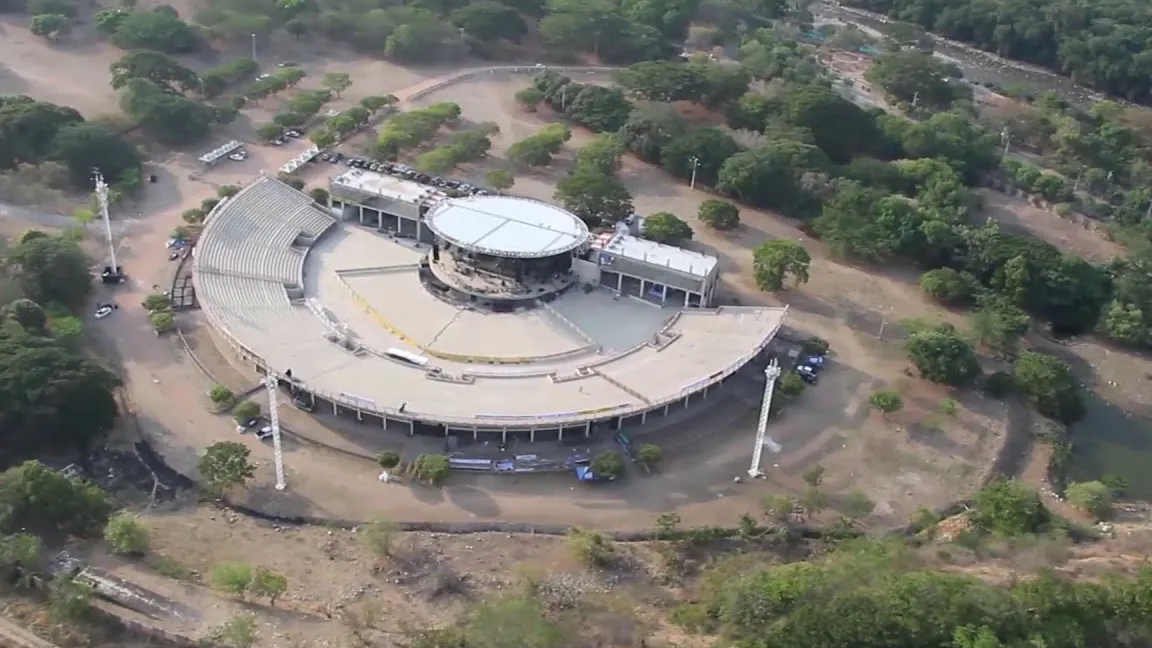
<point x="507" y="227"/>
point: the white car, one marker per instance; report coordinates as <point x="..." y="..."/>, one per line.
<point x="103" y="311"/>
<point x="265" y="433"/>
<point x="238" y="156"/>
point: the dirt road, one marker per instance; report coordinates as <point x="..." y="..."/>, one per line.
<point x="13" y="636"/>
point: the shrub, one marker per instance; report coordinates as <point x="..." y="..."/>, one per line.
<point x="1093" y="497"/>
<point x="246" y="411"/>
<point x="221" y="395"/>
<point x="608" y="463"/>
<point x="157" y="302"/>
<point x="886" y="401"/>
<point x="649" y="454"/>
<point x="126" y="536"/>
<point x="590" y="547"/>
<point x="815" y="346"/>
<point x="719" y="214"/>
<point x="378" y="536"/>
<point x="162" y="321"/>
<point x="388" y="460"/>
<point x="231" y="578"/>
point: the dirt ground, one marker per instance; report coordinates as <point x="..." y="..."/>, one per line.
<point x="1076" y="234"/>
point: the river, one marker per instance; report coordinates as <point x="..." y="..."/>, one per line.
<point x="978" y="66"/>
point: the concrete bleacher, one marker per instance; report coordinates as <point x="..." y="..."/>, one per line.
<point x="252" y="234"/>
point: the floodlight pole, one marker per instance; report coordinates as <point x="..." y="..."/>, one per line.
<point x="253" y="46"/>
<point x="695" y="163"/>
<point x="274" y="418"/>
<point x="772" y="372"/>
<point x="102" y="199"/>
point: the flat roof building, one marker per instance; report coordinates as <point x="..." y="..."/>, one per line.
<point x="653" y="271"/>
<point x="507" y="227"/>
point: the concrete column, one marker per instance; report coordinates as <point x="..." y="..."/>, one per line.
<point x="361" y="209"/>
<point x="503" y="435"/>
<point x="664" y="295"/>
<point x="411" y="428"/>
<point x="643" y="289"/>
<point x="384" y="421"/>
<point x="561" y="433"/>
<point x="532" y="435"/>
<point x="686" y="294"/>
<point x="335" y="411"/>
<point x="666" y="408"/>
<point x="447" y="432"/>
<point x="686" y="399"/>
<point x="588" y="429"/>
<point x="475" y="433"/>
<point x="643" y="417"/>
<point x="359" y="415"/>
<point x="619" y="282"/>
<point x="705" y="393"/>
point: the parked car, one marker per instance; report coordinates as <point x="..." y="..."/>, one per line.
<point x="808" y="374"/>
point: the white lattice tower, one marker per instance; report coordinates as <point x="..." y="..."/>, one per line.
<point x="102" y="199"/>
<point x="772" y="372"/>
<point x="274" y="418"/>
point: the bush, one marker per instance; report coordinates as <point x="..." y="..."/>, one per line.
<point x="815" y="346"/>
<point x="791" y="385"/>
<point x="162" y="321"/>
<point x="231" y="578"/>
<point x="227" y="191"/>
<point x="719" y="214"/>
<point x="590" y="547"/>
<point x="431" y="468"/>
<point x="266" y="582"/>
<point x="221" y="395"/>
<point x="649" y="454"/>
<point x="947" y="286"/>
<point x="886" y="402"/>
<point x="388" y="460"/>
<point x="378" y="536"/>
<point x="1009" y="508"/>
<point x="246" y="411"/>
<point x="157" y="302"/>
<point x="126" y="536"/>
<point x="1093" y="497"/>
<point x="319" y="195"/>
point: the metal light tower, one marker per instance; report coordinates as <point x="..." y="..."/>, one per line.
<point x="274" y="418"/>
<point x="772" y="372"/>
<point x="695" y="164"/>
<point x="102" y="198"/>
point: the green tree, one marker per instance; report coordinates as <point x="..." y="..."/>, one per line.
<point x="719" y="214"/>
<point x="649" y="454"/>
<point x="773" y="174"/>
<point x="943" y="356"/>
<point x="22" y="551"/>
<point x="608" y="463"/>
<point x="156" y="302"/>
<point x="1093" y="497"/>
<point x="488" y="21"/>
<point x="51" y="26"/>
<point x="779" y="508"/>
<point x="1009" y="508"/>
<point x="777" y="260"/>
<point x="513" y="621"/>
<point x="602" y="154"/>
<point x="266" y="582"/>
<point x="1000" y="326"/>
<point x="71" y="601"/>
<point x="886" y="402"/>
<point x="126" y="535"/>
<point x="171" y="119"/>
<point x="948" y="286"/>
<point x="1049" y="384"/>
<point x="376" y="102"/>
<point x="231" y="578"/>
<point x="52" y="270"/>
<point x="84" y="146"/>
<point x="594" y="197"/>
<point x="840" y="128"/>
<point x="650" y="128"/>
<point x="666" y="227"/>
<point x="500" y="180"/>
<point x="158" y="68"/>
<point x="337" y="82"/>
<point x="431" y="468"/>
<point x="162" y="322"/>
<point x="591" y="547"/>
<point x="225" y="465"/>
<point x="28" y="314"/>
<point x="37" y="498"/>
<point x="530" y="98"/>
<point x="600" y="109"/>
<point x="705" y="148"/>
<point x="156" y="30"/>
<point x="912" y="76"/>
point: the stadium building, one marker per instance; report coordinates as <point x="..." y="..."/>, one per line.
<point x="477" y="317"/>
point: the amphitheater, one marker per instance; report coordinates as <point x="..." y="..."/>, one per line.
<point x="340" y="312"/>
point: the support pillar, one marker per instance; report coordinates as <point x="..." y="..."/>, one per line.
<point x="360" y="208"/>
<point x="504" y="435"/>
<point x="643" y="417"/>
<point x="588" y="429"/>
<point x="475" y="433"/>
<point x="771" y="373"/>
<point x="561" y="433"/>
<point x="384" y="421"/>
<point x="687" y="294"/>
<point x="619" y="282"/>
<point x="532" y="435"/>
<point x="359" y="415"/>
<point x="666" y="408"/>
<point x="704" y="394"/>
<point x="411" y="428"/>
<point x="664" y="295"/>
<point x="335" y="409"/>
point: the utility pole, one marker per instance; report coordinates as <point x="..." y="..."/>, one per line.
<point x="564" y="98"/>
<point x="253" y="47"/>
<point x="771" y="373"/>
<point x="1076" y="185"/>
<point x="915" y="99"/>
<point x="102" y="198"/>
<point x="272" y="384"/>
<point x="1148" y="214"/>
<point x="695" y="163"/>
<point x="1006" y="137"/>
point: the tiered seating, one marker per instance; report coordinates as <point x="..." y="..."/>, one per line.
<point x="253" y="233"/>
<point x="231" y="290"/>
